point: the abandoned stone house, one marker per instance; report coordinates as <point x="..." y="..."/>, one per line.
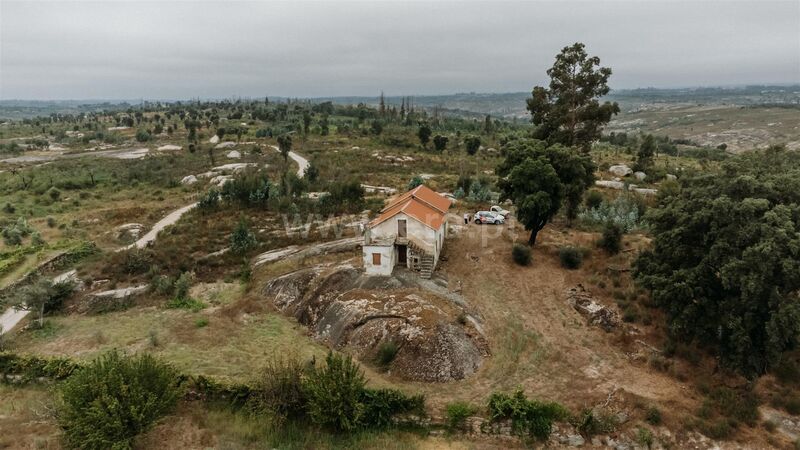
<point x="408" y="232"/>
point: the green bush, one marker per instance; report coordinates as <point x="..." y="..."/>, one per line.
<point x="32" y="367"/>
<point x="186" y="303"/>
<point x="142" y="135"/>
<point x="457" y="413"/>
<point x="279" y="390"/>
<point x="521" y="254"/>
<point x="107" y="403"/>
<point x="380" y="405"/>
<point x="201" y="322"/>
<point x="644" y="437"/>
<point x="653" y="416"/>
<point x="593" y="199"/>
<point x="570" y="257"/>
<point x="611" y="241"/>
<point x="528" y="417"/>
<point x="387" y="351"/>
<point x="242" y="239"/>
<point x="334" y="394"/>
<point x="209" y="201"/>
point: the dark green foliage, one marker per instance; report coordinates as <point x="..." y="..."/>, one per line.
<point x="593" y="199"/>
<point x="242" y="240"/>
<point x="416" y="181"/>
<point x="568" y="112"/>
<point x="32" y="367"/>
<point x="142" y="136"/>
<point x="538" y="179"/>
<point x="424" y="134"/>
<point x="653" y="416"/>
<point x="334" y="394"/>
<point x="528" y="417"/>
<point x="343" y="197"/>
<point x="725" y="264"/>
<point x="387" y="351"/>
<point x="570" y="257"/>
<point x="645" y="154"/>
<point x="380" y="405"/>
<point x="440" y="143"/>
<point x="472" y="144"/>
<point x="107" y="403"/>
<point x="135" y="261"/>
<point x="611" y="241"/>
<point x="457" y="413"/>
<point x="209" y="201"/>
<point x="250" y="188"/>
<point x="521" y="254"/>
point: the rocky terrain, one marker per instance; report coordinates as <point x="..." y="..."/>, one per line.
<point x="435" y="339"/>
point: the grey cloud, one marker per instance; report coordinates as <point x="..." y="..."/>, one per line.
<point x="55" y="50"/>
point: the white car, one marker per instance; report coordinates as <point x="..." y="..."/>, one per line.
<point x="488" y="217"/>
<point x="499" y="210"/>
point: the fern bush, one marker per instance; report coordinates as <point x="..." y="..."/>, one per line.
<point x="105" y="404"/>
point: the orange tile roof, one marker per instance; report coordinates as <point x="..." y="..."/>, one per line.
<point x="424" y="194"/>
<point x="421" y="203"/>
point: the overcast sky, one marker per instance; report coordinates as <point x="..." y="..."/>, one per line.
<point x="209" y="49"/>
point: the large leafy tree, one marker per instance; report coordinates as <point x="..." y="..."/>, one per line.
<point x="540" y="179"/>
<point x="725" y="264"/>
<point x="569" y="112"/>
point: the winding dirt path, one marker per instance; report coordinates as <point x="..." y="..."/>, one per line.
<point x="301" y="161"/>
<point x="168" y="220"/>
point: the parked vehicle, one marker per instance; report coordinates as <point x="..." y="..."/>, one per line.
<point x="488" y="217"/>
<point x="500" y="210"/>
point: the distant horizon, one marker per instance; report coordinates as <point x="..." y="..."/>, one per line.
<point x="386" y="94"/>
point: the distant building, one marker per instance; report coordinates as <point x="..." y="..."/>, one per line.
<point x="409" y="231"/>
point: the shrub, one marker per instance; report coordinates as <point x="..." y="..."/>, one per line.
<point x="380" y="405"/>
<point x="387" y="351"/>
<point x="612" y="238"/>
<point x="114" y="398"/>
<point x="209" y="201"/>
<point x="142" y="135"/>
<point x="182" y="285"/>
<point x="135" y="261"/>
<point x="529" y="417"/>
<point x="590" y="423"/>
<point x="571" y="257"/>
<point x="279" y="390"/>
<point x="242" y="239"/>
<point x="521" y="254"/>
<point x="644" y="437"/>
<point x="416" y="181"/>
<point x="653" y="416"/>
<point x="201" y="322"/>
<point x="54" y="194"/>
<point x="8" y="208"/>
<point x="457" y="413"/>
<point x="593" y="199"/>
<point x="334" y="394"/>
<point x="186" y="303"/>
<point x="51" y="222"/>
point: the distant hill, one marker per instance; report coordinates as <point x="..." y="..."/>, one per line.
<point x="507" y="105"/>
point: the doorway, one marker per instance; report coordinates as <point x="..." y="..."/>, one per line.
<point x="402" y="254"/>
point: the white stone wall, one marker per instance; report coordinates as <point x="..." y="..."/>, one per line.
<point x="388" y="259"/>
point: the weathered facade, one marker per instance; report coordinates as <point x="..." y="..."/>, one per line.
<point x="409" y="231"/>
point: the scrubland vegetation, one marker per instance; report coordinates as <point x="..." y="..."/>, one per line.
<point x="698" y="279"/>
